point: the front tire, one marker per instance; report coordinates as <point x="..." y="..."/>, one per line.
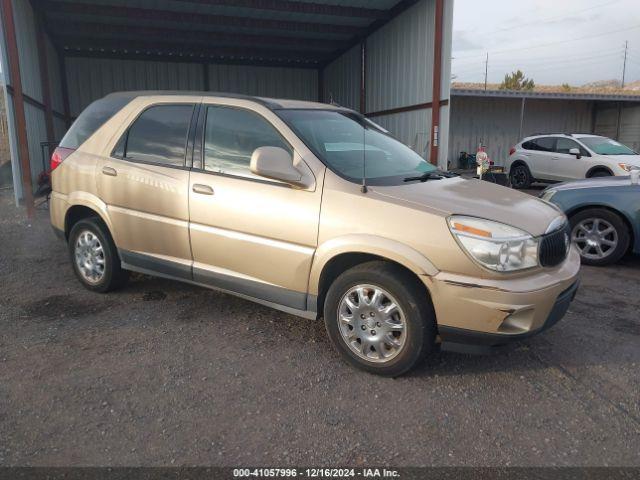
<point x="520" y="176"/>
<point x="94" y="256"/>
<point x="380" y="319"/>
<point x="602" y="237"/>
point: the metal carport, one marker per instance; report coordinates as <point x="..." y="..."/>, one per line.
<point x="386" y="58"/>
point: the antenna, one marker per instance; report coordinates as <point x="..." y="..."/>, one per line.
<point x="363" y="188"/>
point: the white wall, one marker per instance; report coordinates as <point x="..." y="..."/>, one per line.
<point x="399" y="73"/>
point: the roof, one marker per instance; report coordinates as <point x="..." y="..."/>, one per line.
<point x="552" y="134"/>
<point x="519" y="94"/>
<point x="271" y="103"/>
<point x="298" y="33"/>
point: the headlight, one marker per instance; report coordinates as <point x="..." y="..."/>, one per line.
<point x="627" y="168"/>
<point x="494" y="245"/>
<point x="547" y="195"/>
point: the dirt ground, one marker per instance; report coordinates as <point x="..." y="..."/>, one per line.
<point x="168" y="374"/>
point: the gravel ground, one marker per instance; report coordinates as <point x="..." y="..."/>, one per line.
<point x="169" y="374"/>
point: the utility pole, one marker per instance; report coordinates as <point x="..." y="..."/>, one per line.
<point x="624" y="65"/>
<point x="486" y="71"/>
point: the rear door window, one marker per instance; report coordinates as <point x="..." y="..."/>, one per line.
<point x="545" y="144"/>
<point x="159" y="135"/>
<point x="92" y="118"/>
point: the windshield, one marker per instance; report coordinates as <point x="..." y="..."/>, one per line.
<point x="350" y="145"/>
<point x="606" y="146"/>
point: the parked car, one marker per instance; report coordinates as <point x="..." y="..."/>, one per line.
<point x="562" y="157"/>
<point x="266" y="199"/>
<point x="604" y="215"/>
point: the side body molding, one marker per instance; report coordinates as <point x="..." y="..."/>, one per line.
<point x="373" y="245"/>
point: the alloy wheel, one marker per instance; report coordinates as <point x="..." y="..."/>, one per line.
<point x="372" y="323"/>
<point x="89" y="256"/>
<point x="596" y="238"/>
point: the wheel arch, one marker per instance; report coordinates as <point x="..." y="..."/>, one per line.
<point x="82" y="206"/>
<point x="598" y="168"/>
<point x="518" y="162"/>
<point x="338" y="255"/>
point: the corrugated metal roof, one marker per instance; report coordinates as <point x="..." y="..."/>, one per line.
<point x="458" y="92"/>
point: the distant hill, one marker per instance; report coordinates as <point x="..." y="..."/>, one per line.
<point x="602" y="86"/>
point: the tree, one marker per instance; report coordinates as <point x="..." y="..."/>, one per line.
<point x="566" y="87"/>
<point x="517" y="81"/>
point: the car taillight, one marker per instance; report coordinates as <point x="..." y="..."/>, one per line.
<point x="512" y="150"/>
<point x="59" y="154"/>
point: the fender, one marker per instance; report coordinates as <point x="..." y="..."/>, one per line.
<point x="86" y="199"/>
<point x="371" y="244"/>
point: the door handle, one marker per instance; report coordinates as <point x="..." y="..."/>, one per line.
<point x="109" y="171"/>
<point x="202" y="189"/>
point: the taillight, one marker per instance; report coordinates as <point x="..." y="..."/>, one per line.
<point x="59" y="154"/>
<point x="512" y="150"/>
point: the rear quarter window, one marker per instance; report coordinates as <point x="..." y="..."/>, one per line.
<point x="91" y="119"/>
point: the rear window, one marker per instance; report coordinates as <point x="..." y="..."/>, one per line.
<point x="91" y="119"/>
<point x="542" y="144"/>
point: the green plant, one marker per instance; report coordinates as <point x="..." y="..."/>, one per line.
<point x="517" y="81"/>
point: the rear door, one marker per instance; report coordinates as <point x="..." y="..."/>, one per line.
<point x="543" y="148"/>
<point x="145" y="186"/>
<point x="566" y="166"/>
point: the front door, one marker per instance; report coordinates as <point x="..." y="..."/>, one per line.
<point x="249" y="235"/>
<point x="567" y="166"/>
<point x="145" y="186"/>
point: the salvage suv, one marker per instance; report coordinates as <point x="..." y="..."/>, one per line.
<point x="311" y="209"/>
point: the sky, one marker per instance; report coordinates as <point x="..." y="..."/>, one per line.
<point x="551" y="41"/>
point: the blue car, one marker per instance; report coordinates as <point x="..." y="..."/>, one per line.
<point x="604" y="214"/>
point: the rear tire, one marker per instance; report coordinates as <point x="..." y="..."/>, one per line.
<point x="94" y="256"/>
<point x="368" y="331"/>
<point x="520" y="176"/>
<point x="602" y="237"/>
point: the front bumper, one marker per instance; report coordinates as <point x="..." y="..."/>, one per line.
<point x="468" y="341"/>
<point x="475" y="315"/>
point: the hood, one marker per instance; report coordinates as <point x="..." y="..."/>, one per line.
<point x="592" y="183"/>
<point x="476" y="198"/>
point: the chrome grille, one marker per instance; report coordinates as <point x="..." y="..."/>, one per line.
<point x="554" y="247"/>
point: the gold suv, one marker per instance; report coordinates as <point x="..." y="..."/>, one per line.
<point x="311" y="209"/>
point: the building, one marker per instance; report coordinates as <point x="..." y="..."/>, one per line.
<point x="499" y="119"/>
<point x="386" y="58"/>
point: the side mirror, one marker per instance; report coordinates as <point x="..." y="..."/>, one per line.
<point x="576" y="152"/>
<point x="275" y="163"/>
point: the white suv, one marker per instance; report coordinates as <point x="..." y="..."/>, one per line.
<point x="561" y="157"/>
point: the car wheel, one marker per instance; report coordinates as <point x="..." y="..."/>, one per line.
<point x="94" y="256"/>
<point x="520" y="176"/>
<point x="600" y="173"/>
<point x="379" y="319"/>
<point x="601" y="236"/>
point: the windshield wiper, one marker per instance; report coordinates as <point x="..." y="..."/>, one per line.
<point x="425" y="177"/>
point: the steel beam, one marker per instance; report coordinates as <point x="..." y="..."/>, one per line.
<point x="96" y="30"/>
<point x="290" y="6"/>
<point x="18" y="103"/>
<point x="44" y="79"/>
<point x="193" y="19"/>
<point x="155" y="50"/>
<point x="437" y="82"/>
<point x="65" y="87"/>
